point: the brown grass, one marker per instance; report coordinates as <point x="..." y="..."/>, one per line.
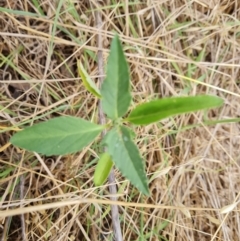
<point x="174" y="47"/>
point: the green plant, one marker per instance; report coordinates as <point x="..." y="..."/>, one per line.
<point x="64" y="135"/>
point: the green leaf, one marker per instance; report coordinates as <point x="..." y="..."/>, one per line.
<point x="115" y="90"/>
<point x="58" y="136"/>
<point x="102" y="169"/>
<point x="126" y="157"/>
<point x="159" y="109"/>
<point x="87" y="81"/>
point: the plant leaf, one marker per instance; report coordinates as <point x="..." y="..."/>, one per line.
<point x="159" y="109"/>
<point x="87" y="81"/>
<point x="126" y="157"/>
<point x="115" y="90"/>
<point x="102" y="169"/>
<point x="58" y="136"/>
<point x="228" y="208"/>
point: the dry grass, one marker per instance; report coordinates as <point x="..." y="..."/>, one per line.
<point x="174" y="47"/>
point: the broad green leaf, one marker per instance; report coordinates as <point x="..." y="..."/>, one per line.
<point x="58" y="136"/>
<point x="115" y="90"/>
<point x="87" y="81"/>
<point x="126" y="157"/>
<point x="159" y="109"/>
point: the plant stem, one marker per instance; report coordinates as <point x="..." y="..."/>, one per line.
<point x="112" y="186"/>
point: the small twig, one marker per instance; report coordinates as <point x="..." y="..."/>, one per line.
<point x="112" y="186"/>
<point x="22" y="182"/>
<point x="8" y="220"/>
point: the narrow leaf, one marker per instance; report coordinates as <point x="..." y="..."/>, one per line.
<point x="126" y="157"/>
<point x="212" y="219"/>
<point x="228" y="208"/>
<point x="159" y="109"/>
<point x="87" y="81"/>
<point x="58" y="136"/>
<point x="102" y="169"/>
<point x="184" y="210"/>
<point x="115" y="90"/>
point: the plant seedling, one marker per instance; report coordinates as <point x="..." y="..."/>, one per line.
<point x="64" y="135"/>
